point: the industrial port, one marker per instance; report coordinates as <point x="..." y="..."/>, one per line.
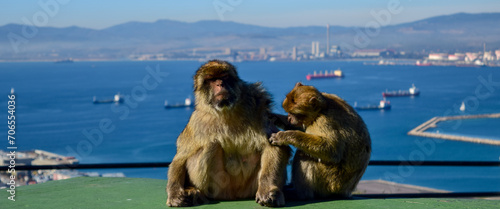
<point x="40" y="157"/>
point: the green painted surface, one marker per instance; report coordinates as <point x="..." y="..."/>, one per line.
<point x="98" y="192"/>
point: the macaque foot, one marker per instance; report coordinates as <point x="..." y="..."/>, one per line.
<point x="273" y="198"/>
<point x="190" y="197"/>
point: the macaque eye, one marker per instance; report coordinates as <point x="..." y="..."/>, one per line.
<point x="209" y="79"/>
<point x="208" y="82"/>
<point x="298" y="116"/>
<point x="224" y="78"/>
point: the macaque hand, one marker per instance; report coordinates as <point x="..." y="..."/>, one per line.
<point x="280" y="139"/>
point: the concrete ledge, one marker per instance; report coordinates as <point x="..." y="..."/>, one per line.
<point x="386" y="187"/>
<point x="101" y="192"/>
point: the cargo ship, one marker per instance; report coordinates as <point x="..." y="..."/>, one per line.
<point x="116" y="99"/>
<point x="383" y="105"/>
<point x="332" y="74"/>
<point x="64" y="61"/>
<point x="187" y="103"/>
<point x="413" y="91"/>
<point x="423" y="63"/>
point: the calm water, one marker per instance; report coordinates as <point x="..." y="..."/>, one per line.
<point x="55" y="109"/>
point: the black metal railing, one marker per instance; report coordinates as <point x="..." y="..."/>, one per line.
<point x="166" y="164"/>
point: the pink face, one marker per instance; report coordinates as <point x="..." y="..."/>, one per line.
<point x="221" y="90"/>
<point x="292" y="119"/>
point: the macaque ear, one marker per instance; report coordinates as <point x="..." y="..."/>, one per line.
<point x="298" y="84"/>
<point x="198" y="82"/>
<point x="314" y="102"/>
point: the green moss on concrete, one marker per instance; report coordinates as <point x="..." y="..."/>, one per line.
<point x="98" y="192"/>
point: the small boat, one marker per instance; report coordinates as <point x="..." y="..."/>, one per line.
<point x="423" y="63"/>
<point x="383" y="105"/>
<point x="64" y="61"/>
<point x="462" y="107"/>
<point x="332" y="74"/>
<point x="187" y="103"/>
<point x="413" y="91"/>
<point x="116" y="99"/>
<point x="385" y="62"/>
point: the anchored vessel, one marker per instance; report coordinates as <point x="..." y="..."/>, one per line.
<point x="332" y="74"/>
<point x="187" y="103"/>
<point x="64" y="61"/>
<point x="383" y="105"/>
<point x="413" y="91"/>
<point x="116" y="99"/>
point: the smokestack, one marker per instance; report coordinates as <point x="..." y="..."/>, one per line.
<point x="294" y="53"/>
<point x="327" y="39"/>
<point x="317" y="48"/>
<point x="484" y="52"/>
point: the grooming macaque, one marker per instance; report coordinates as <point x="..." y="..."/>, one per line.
<point x="333" y="151"/>
<point x="223" y="153"/>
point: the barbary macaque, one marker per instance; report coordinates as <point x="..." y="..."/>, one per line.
<point x="334" y="149"/>
<point x="223" y="153"/>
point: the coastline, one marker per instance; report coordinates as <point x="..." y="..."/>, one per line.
<point x="194" y="59"/>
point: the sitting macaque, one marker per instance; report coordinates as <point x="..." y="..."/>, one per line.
<point x="334" y="149"/>
<point x="223" y="153"/>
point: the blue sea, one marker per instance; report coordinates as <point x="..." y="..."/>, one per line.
<point x="55" y="112"/>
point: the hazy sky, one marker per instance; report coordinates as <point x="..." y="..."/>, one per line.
<point x="281" y="13"/>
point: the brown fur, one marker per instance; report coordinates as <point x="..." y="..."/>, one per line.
<point x="223" y="152"/>
<point x="333" y="152"/>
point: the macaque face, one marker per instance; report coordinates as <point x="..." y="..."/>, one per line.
<point x="221" y="90"/>
<point x="296" y="120"/>
<point x="296" y="113"/>
<point x="217" y="85"/>
<point x="302" y="105"/>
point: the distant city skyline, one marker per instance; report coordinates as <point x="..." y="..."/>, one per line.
<point x="102" y="14"/>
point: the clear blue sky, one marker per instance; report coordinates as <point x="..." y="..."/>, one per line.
<point x="281" y="13"/>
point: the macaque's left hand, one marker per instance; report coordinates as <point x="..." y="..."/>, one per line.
<point x="281" y="138"/>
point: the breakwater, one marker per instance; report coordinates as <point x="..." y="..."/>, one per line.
<point x="432" y="123"/>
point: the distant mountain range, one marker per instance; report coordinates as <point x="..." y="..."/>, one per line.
<point x="457" y="32"/>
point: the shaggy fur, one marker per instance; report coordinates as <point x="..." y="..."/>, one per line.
<point x="223" y="153"/>
<point x="333" y="152"/>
